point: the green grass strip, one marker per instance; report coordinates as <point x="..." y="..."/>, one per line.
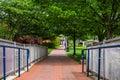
<point x="78" y="53"/>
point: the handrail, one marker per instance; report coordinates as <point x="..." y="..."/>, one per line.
<point x="99" y="57"/>
<point x="4" y="58"/>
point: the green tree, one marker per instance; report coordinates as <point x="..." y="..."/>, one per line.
<point x="67" y="20"/>
<point x="104" y="15"/>
<point x="23" y="18"/>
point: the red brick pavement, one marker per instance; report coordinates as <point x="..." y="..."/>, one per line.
<point x="56" y="67"/>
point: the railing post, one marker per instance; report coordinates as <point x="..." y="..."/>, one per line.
<point x="82" y="61"/>
<point x="4" y="63"/>
<point x="14" y="58"/>
<point x="19" y="62"/>
<point x="88" y="62"/>
<point x="28" y="54"/>
<point x="99" y="63"/>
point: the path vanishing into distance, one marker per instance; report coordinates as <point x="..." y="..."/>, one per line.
<point x="57" y="66"/>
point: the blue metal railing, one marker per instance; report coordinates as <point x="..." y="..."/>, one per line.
<point x="99" y="57"/>
<point x="4" y="58"/>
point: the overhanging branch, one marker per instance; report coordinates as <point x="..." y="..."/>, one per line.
<point x="96" y="12"/>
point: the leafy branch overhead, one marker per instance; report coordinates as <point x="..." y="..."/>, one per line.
<point x="49" y="18"/>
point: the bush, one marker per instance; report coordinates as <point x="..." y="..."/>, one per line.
<point x="56" y="41"/>
<point x="49" y="45"/>
<point x="53" y="43"/>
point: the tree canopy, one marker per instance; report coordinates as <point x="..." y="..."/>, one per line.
<point x="49" y="18"/>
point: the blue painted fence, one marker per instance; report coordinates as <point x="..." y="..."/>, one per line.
<point x="4" y="58"/>
<point x="15" y="57"/>
<point x="99" y="57"/>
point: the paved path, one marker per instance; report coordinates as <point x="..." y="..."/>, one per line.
<point x="56" y="67"/>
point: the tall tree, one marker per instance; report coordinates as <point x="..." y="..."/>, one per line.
<point x="67" y="19"/>
<point x="23" y="18"/>
<point x="105" y="14"/>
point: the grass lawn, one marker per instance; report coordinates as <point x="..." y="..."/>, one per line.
<point x="78" y="53"/>
<point x="1" y="78"/>
<point x="49" y="50"/>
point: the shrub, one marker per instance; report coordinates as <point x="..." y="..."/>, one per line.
<point x="49" y="45"/>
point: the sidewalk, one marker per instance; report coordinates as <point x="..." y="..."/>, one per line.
<point x="56" y="67"/>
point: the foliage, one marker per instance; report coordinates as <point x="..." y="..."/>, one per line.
<point x="103" y="17"/>
<point x="16" y="16"/>
<point x="4" y="33"/>
<point x="56" y="41"/>
<point x="50" y="18"/>
<point x="53" y="43"/>
<point x="49" y="45"/>
<point x="24" y="18"/>
<point x="61" y="17"/>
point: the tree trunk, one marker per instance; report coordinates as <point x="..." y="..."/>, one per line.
<point x="67" y="49"/>
<point x="14" y="38"/>
<point x="100" y="37"/>
<point x="74" y="41"/>
<point x="109" y="33"/>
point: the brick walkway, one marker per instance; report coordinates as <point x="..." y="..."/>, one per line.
<point x="56" y="67"/>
